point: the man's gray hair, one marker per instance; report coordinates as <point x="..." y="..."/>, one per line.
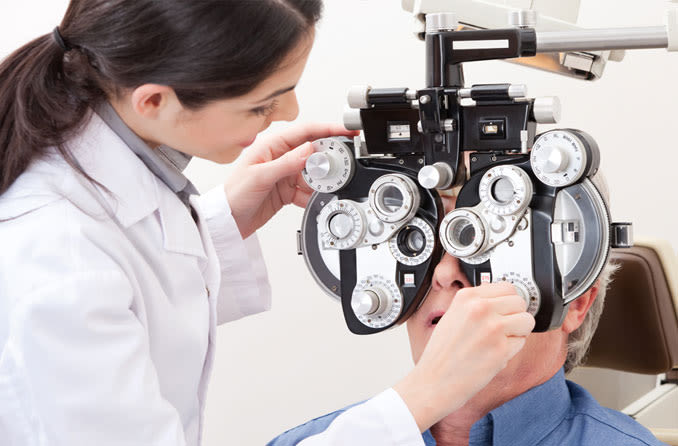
<point x="579" y="340"/>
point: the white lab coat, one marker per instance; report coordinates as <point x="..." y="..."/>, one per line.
<point x="109" y="307"/>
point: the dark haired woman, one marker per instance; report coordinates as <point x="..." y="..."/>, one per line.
<point x="115" y="273"/>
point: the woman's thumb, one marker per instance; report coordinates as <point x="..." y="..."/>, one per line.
<point x="291" y="163"/>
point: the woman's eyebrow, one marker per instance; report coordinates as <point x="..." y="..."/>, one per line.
<point x="276" y="93"/>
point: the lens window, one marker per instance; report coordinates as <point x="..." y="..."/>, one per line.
<point x="390" y="199"/>
<point x="502" y="190"/>
<point x="462" y="233"/>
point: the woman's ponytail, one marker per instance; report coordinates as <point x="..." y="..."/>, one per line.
<point x="44" y="97"/>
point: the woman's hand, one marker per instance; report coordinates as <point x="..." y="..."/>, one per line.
<point x="481" y="331"/>
<point x="268" y="174"/>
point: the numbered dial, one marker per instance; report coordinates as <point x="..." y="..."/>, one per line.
<point x="526" y="289"/>
<point x="377" y="301"/>
<point x="342" y="225"/>
<point x="331" y="167"/>
<point x="413" y="244"/>
<point x="559" y="158"/>
<point x="505" y="190"/>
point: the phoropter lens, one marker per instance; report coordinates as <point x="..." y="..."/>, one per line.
<point x="415" y="241"/>
<point x="462" y="233"/>
<point x="466" y="235"/>
<point x="502" y="190"/>
<point x="411" y="241"/>
<point x="390" y="198"/>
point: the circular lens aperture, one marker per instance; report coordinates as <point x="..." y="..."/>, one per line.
<point x="462" y="233"/>
<point x="415" y="241"/>
<point x="394" y="198"/>
<point x="411" y="241"/>
<point x="389" y="197"/>
<point x="341" y="225"/>
<point x="502" y="190"/>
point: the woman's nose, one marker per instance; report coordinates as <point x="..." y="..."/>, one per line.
<point x="448" y="273"/>
<point x="288" y="108"/>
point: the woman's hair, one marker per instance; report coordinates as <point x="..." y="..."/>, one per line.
<point x="205" y="50"/>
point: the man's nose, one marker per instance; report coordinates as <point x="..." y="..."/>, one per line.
<point x="448" y="273"/>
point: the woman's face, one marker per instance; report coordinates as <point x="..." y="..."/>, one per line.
<point x="221" y="130"/>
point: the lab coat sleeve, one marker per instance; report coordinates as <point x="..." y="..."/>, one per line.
<point x="76" y="368"/>
<point x="245" y="289"/>
<point x="384" y="420"/>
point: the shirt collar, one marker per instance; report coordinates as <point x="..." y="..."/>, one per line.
<point x="527" y="418"/>
<point x="132" y="192"/>
<point x="166" y="163"/>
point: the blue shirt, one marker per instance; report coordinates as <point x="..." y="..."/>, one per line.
<point x="557" y="412"/>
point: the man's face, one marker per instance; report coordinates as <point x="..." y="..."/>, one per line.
<point x="542" y="351"/>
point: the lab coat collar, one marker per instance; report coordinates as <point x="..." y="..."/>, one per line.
<point x="135" y="192"/>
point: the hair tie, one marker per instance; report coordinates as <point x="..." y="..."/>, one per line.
<point x="60" y="40"/>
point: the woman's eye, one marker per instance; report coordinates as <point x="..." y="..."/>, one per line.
<point x="266" y="110"/>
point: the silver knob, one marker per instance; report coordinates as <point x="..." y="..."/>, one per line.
<point x="555" y="160"/>
<point x="436" y="176"/>
<point x="547" y="110"/>
<point x="341" y="225"/>
<point x="352" y="119"/>
<point x="517" y="91"/>
<point x="357" y="96"/>
<point x="365" y="303"/>
<point x="318" y="165"/>
<point x="443" y="21"/>
<point x="524" y="18"/>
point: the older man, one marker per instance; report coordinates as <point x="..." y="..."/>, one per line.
<point x="529" y="402"/>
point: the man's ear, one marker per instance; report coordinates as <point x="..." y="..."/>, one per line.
<point x="578" y="309"/>
<point x="152" y="101"/>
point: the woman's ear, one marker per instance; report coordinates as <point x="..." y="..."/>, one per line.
<point x="153" y="101"/>
<point x="578" y="309"/>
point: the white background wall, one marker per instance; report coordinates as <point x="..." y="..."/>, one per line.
<point x="298" y="361"/>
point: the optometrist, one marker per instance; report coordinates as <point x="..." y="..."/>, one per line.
<point x="114" y="272"/>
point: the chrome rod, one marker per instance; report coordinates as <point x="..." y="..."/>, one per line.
<point x="603" y="39"/>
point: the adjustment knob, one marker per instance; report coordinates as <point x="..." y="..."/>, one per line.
<point x="341" y="225"/>
<point x="528" y="290"/>
<point x="358" y="96"/>
<point x="436" y="176"/>
<point x="365" y="302"/>
<point x="560" y="158"/>
<point x="555" y="160"/>
<point x="547" y="110"/>
<point x="331" y="167"/>
<point x="318" y="166"/>
<point x="376" y="301"/>
<point x="352" y="119"/>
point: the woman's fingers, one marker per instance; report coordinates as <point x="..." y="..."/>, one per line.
<point x="519" y="324"/>
<point x="514" y="345"/>
<point x="289" y="164"/>
<point x="510" y="304"/>
<point x="301" y="198"/>
<point x="310" y="132"/>
<point x="302" y="184"/>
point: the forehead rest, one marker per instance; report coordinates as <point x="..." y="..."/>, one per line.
<point x="638" y="330"/>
